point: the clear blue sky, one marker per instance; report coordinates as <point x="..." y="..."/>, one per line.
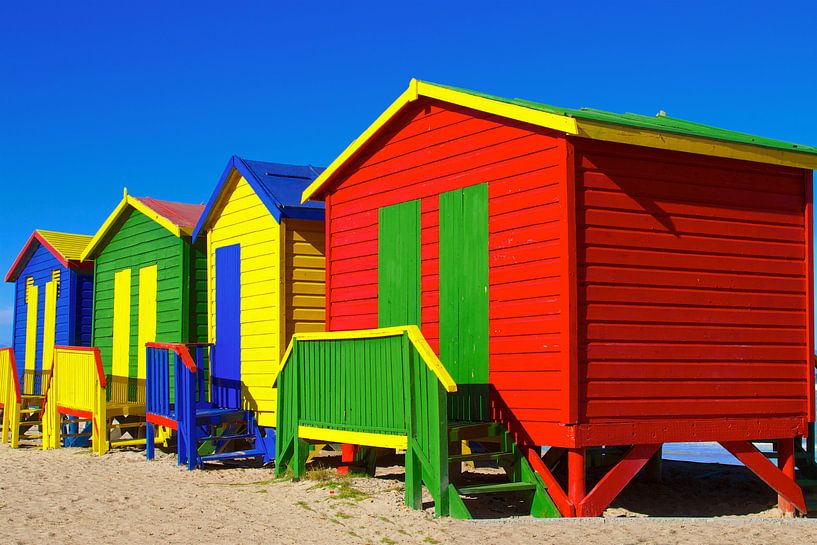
<point x="156" y="96"/>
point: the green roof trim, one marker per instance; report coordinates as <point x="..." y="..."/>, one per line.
<point x="652" y="123"/>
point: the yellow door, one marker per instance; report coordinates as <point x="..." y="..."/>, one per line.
<point x="147" y="314"/>
<point x="120" y="364"/>
<point x="32" y="297"/>
<point x="50" y="321"/>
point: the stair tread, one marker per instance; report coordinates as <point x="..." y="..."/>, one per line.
<point x="479" y="456"/>
<point x="493" y="488"/>
<point x="251" y="453"/>
<point x="226" y="437"/>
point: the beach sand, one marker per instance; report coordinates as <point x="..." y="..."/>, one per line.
<point x="71" y="496"/>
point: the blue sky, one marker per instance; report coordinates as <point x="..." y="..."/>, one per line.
<point x="156" y="96"/>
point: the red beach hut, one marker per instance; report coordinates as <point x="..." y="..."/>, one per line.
<point x="587" y="278"/>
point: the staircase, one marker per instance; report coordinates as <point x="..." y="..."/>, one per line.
<point x="228" y="434"/>
<point x="389" y="390"/>
<point x="28" y="416"/>
<point x="500" y="449"/>
<point x="206" y="431"/>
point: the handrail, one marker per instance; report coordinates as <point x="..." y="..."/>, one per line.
<point x="181" y="350"/>
<point x="414" y="334"/>
<point x="375" y="387"/>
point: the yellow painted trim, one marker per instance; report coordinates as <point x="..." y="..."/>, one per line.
<point x="409" y="95"/>
<point x="557" y="122"/>
<point x="327" y="435"/>
<point x="120" y="359"/>
<point x="584" y="128"/>
<point x="148" y="283"/>
<point x="50" y="323"/>
<point x="414" y="334"/>
<point x="107" y="226"/>
<point x="692" y="144"/>
<point x="417" y="89"/>
<point x="33" y="298"/>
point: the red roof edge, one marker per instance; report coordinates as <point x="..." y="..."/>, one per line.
<point x="35" y="236"/>
<point x="181" y="214"/>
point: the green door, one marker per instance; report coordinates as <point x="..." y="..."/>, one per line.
<point x="398" y="254"/>
<point x="464" y="299"/>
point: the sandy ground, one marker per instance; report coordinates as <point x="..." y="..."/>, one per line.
<point x="70" y="496"/>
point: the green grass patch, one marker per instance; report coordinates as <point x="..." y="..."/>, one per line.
<point x="304" y="505"/>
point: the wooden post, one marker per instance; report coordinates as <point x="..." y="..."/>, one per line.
<point x="785" y="461"/>
<point x="576" y="475"/>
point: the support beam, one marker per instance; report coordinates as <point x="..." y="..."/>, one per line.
<point x="611" y="485"/>
<point x="563" y="504"/>
<point x="785" y="462"/>
<point x="783" y="484"/>
<point x="576" y="475"/>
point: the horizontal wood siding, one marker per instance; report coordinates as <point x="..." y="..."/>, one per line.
<point x="40" y="267"/>
<point x="84" y="304"/>
<point x="434" y="148"/>
<point x="692" y="286"/>
<point x="198" y="294"/>
<point x="305" y="267"/>
<point x="243" y="219"/>
<point x="139" y="242"/>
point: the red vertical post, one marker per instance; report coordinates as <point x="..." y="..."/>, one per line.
<point x="785" y="461"/>
<point x="347" y="458"/>
<point x="576" y="470"/>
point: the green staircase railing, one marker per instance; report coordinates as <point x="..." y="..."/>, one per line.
<point x="377" y="388"/>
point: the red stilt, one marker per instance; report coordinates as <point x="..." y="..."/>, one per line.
<point x="555" y="491"/>
<point x="785" y="461"/>
<point x="611" y="485"/>
<point x="576" y="475"/>
<point x="347" y="457"/>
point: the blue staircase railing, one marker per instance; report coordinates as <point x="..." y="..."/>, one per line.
<point x="204" y="410"/>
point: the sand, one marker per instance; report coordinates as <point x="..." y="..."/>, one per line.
<point x="71" y="496"/>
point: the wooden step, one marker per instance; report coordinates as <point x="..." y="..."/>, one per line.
<point x="234" y="455"/>
<point x="495" y="488"/>
<point x="128" y="426"/>
<point x="470" y="431"/>
<point x="482" y="457"/>
<point x="225" y="437"/>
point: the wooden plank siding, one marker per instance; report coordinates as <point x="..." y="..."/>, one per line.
<point x="305" y="278"/>
<point x="244" y="219"/>
<point x="428" y="150"/>
<point x="693" y="276"/>
<point x="141" y="242"/>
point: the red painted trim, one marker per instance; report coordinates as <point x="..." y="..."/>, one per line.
<point x="13" y="363"/>
<point x="785" y="462"/>
<point x="647" y="432"/>
<point x="756" y="461"/>
<point x="563" y="504"/>
<point x="180" y="349"/>
<point x="569" y="290"/>
<point x="97" y="358"/>
<point x="809" y="220"/>
<point x="611" y="485"/>
<point x="162" y="420"/>
<point x="10" y="275"/>
<point x="74" y="412"/>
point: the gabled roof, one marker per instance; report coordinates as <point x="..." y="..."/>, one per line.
<point x="660" y="131"/>
<point x="66" y="247"/>
<point x="178" y="218"/>
<point x="279" y="186"/>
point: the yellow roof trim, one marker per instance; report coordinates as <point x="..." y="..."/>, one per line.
<point x="126" y="202"/>
<point x="418" y="89"/>
<point x="693" y="144"/>
<point x="596" y="130"/>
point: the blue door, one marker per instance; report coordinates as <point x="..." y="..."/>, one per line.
<point x="226" y="370"/>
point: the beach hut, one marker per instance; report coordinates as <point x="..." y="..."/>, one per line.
<point x="586" y="278"/>
<point x="52" y="306"/>
<point x="265" y="277"/>
<point x="149" y="285"/>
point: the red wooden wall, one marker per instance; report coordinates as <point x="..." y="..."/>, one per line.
<point x="432" y="149"/>
<point x="693" y="282"/>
